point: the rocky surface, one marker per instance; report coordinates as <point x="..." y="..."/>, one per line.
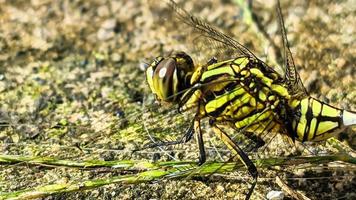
<point x="71" y="76"/>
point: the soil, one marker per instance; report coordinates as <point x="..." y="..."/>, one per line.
<point x="72" y="86"/>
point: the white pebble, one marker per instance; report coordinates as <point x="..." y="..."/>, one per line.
<point x="275" y="195"/>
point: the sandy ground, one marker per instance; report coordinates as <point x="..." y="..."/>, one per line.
<point x="71" y="75"/>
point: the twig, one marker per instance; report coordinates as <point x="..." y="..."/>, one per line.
<point x="290" y="191"/>
<point x="146" y="165"/>
<point x="145" y="171"/>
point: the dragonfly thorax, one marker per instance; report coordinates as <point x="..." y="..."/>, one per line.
<point x="168" y="77"/>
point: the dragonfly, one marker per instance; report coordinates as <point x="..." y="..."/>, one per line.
<point x="241" y="92"/>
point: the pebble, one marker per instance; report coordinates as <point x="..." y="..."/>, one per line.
<point x="109" y="24"/>
<point x="106" y="30"/>
<point x="116" y="57"/>
<point x="275" y="195"/>
<point x="103" y="11"/>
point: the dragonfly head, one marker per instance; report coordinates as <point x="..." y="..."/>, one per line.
<point x="168" y="77"/>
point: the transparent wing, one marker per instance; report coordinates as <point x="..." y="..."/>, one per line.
<point x="201" y="40"/>
<point x="296" y="86"/>
<point x="224" y="45"/>
<point x="204" y="42"/>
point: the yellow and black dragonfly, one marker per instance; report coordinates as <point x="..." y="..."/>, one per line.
<point x="243" y="93"/>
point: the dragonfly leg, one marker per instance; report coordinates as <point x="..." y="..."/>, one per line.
<point x="200" y="142"/>
<point x="240" y="154"/>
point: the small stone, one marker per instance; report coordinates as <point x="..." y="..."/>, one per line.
<point x="106" y="30"/>
<point x="109" y="24"/>
<point x="104" y="34"/>
<point x="339" y="186"/>
<point x="220" y="189"/>
<point x="275" y="195"/>
<point x="340" y="62"/>
<point x="2" y="86"/>
<point x="103" y="11"/>
<point x="15" y="138"/>
<point x="116" y="57"/>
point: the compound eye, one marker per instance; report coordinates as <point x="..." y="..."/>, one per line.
<point x="165" y="69"/>
<point x="165" y="79"/>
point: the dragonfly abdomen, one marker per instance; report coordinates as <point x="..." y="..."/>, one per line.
<point x="317" y="121"/>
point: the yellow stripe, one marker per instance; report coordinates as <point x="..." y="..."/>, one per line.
<point x="253" y="102"/>
<point x="262" y="96"/>
<point x="329" y="111"/>
<point x="253" y="119"/>
<point x="196" y="75"/>
<point x="267" y="81"/>
<point x="294" y="103"/>
<point x="219" y="85"/>
<point x="272" y="98"/>
<point x="243" y="100"/>
<point x="242" y="62"/>
<point x="192" y="101"/>
<point x="221" y="70"/>
<point x="312" y="129"/>
<point x="245" y="73"/>
<point x="229" y="110"/>
<point x="304" y="106"/>
<point x="236" y="68"/>
<point x="216" y="65"/>
<point x="242" y="112"/>
<point x="325" y="127"/>
<point x="316" y="108"/>
<point x="302" y="124"/>
<point x="282" y="91"/>
<point x="212" y="105"/>
<point x="260" y="105"/>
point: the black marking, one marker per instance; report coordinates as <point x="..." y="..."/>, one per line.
<point x="308" y="117"/>
<point x="287" y="116"/>
<point x="219" y="110"/>
<point x="333" y="119"/>
<point x="299" y="107"/>
<point x="318" y="120"/>
<point x="211" y="95"/>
